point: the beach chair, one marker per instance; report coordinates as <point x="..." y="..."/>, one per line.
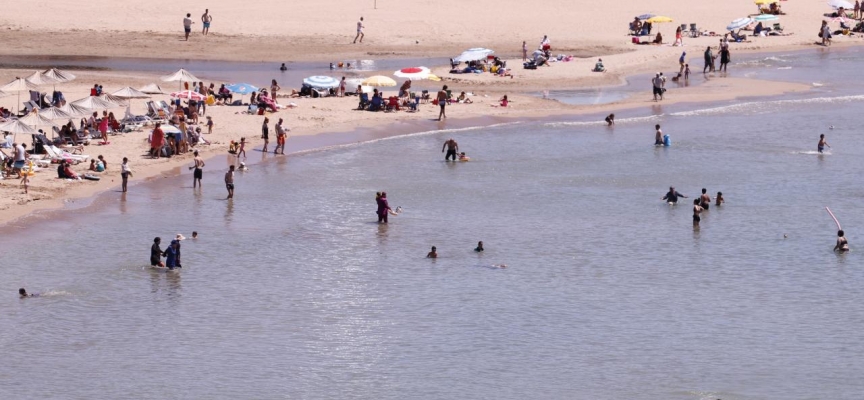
<point x="364" y="101"/>
<point x="29" y="106"/>
<point x="694" y="31"/>
<point x="424" y="95"/>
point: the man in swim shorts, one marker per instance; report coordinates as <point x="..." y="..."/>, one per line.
<point x="442" y="102"/>
<point x="206" y="19"/>
<point x="199" y="171"/>
<point x="697" y="209"/>
<point x="673" y="195"/>
<point x="187" y="25"/>
<point x="229" y="182"/>
<point x="705" y="200"/>
<point x="452" y="147"/>
<point x="360" y="34"/>
<point x="822" y="143"/>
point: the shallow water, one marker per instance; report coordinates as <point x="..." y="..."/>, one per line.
<point x="293" y="290"/>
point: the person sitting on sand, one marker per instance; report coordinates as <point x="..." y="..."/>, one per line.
<point x="463" y="98"/>
<point x="464" y="157"/>
<point x="658" y="39"/>
<point x="504" y="101"/>
<point x="433" y="253"/>
<point x="598" y="66"/>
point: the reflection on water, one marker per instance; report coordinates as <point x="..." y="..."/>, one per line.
<point x="294" y="291"/>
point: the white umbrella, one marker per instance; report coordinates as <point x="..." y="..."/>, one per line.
<point x="116" y="100"/>
<point x="130" y="93"/>
<point x="189" y="94"/>
<point x="352" y="84"/>
<point x="94" y="103"/>
<point x="414" y="73"/>
<point x="58" y="76"/>
<point x="321" y="82"/>
<point x="841" y="4"/>
<point x="739" y="23"/>
<point x="75" y="110"/>
<point x="4" y="94"/>
<point x="15" y="127"/>
<point x="180" y="76"/>
<point x="474" y="54"/>
<point x="54" y="113"/>
<point x="152" y="89"/>
<point x="37" y="78"/>
<point x="18" y="85"/>
<point x="36" y="119"/>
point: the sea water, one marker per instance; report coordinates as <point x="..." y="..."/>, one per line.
<point x="294" y="291"/>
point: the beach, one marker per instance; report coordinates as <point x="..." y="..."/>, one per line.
<point x="294" y="291"/>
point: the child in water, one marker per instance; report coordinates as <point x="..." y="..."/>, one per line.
<point x="232" y="147"/>
<point x="719" y="199"/>
<point x="463" y="157"/>
<point x="479" y="247"/>
<point x="433" y="253"/>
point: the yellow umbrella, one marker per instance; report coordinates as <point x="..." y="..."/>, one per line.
<point x="763" y="2"/>
<point x="379" y="80"/>
<point x="658" y="19"/>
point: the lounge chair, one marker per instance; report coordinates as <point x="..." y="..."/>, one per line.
<point x="56" y="153"/>
<point x="694" y="32"/>
<point x="777" y="28"/>
<point x="364" y="101"/>
<point x="425" y="96"/>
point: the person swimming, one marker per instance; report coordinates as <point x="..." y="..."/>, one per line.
<point x="479" y="247"/>
<point x="464" y="157"/>
<point x="433" y="253"/>
<point x="23" y="293"/>
<point x="610" y="120"/>
<point x="283" y="67"/>
<point x="842" y="244"/>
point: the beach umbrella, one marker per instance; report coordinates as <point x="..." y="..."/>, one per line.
<point x="352" y="84"/>
<point x="766" y="18"/>
<point x="15" y="127"/>
<point x="75" y="110"/>
<point x="474" y="54"/>
<point x="36" y="119"/>
<point x="379" y="80"/>
<point x="152" y="89"/>
<point x="37" y="78"/>
<point x="130" y="93"/>
<point x="433" y="77"/>
<point x="645" y="16"/>
<point x="739" y="23"/>
<point x="241" y="88"/>
<point x="94" y="103"/>
<point x="4" y="94"/>
<point x="659" y="19"/>
<point x="180" y="76"/>
<point x="764" y="2"/>
<point x="841" y="4"/>
<point x="188" y="94"/>
<point x="18" y="85"/>
<point x="54" y="113"/>
<point x="58" y="76"/>
<point x="321" y="82"/>
<point x="413" y="73"/>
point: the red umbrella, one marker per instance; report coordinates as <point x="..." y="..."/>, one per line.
<point x="188" y="94"/>
<point x="413" y="73"/>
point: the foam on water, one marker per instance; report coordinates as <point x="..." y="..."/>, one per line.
<point x="761" y="107"/>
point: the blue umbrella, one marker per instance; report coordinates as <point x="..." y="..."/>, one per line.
<point x="321" y="82"/>
<point x="645" y="16"/>
<point x="241" y="88"/>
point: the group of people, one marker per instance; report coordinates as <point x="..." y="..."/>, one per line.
<point x="186" y="137"/>
<point x="171" y="254"/>
<point x="206" y="20"/>
<point x="701" y="204"/>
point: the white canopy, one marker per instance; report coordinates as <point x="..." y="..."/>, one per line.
<point x="475" y="54"/>
<point x="58" y="76"/>
<point x="152" y="89"/>
<point x="130" y="93"/>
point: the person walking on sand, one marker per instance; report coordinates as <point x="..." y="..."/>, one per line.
<point x="452" y="149"/>
<point x="229" y="182"/>
<point x="360" y="33"/>
<point x="206" y="19"/>
<point x="199" y="170"/>
<point x="280" y="137"/>
<point x="826" y="34"/>
<point x="709" y="61"/>
<point x="187" y="25"/>
<point x="125" y="173"/>
<point x="442" y="102"/>
<point x="524" y="51"/>
<point x="342" y="85"/>
<point x="822" y="143"/>
<point x="265" y="133"/>
<point x="681" y="61"/>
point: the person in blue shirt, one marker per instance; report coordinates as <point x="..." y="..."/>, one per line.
<point x="171" y="254"/>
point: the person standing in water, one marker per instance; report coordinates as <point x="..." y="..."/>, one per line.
<point x="719" y="199"/>
<point x="280" y="137"/>
<point x="383" y="208"/>
<point x="172" y="255"/>
<point x="433" y="253"/>
<point x="705" y="199"/>
<point x="479" y="247"/>
<point x="199" y="170"/>
<point x="822" y="143"/>
<point x="156" y="253"/>
<point x="697" y="209"/>
<point x="672" y="196"/>
<point x="452" y="149"/>
<point x="658" y="136"/>
<point x="265" y="133"/>
<point x="229" y="182"/>
<point x="125" y="173"/>
<point x="842" y="245"/>
<point x="610" y="120"/>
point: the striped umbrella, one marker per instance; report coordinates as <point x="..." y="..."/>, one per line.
<point x="321" y="82"/>
<point x="739" y="23"/>
<point x="241" y="88"/>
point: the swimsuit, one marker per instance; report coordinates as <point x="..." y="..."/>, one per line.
<point x="820" y="148"/>
<point x="198" y="173"/>
<point x="230" y="186"/>
<point x="450" y="152"/>
<point x="206" y="24"/>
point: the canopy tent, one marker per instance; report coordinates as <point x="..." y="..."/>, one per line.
<point x="474" y="54"/>
<point x="180" y="76"/>
<point x="379" y="80"/>
<point x="95" y="103"/>
<point x="321" y="82"/>
<point x="130" y="93"/>
<point x="241" y="88"/>
<point x="75" y="110"/>
<point x="413" y="73"/>
<point x="37" y="78"/>
<point x="739" y="23"/>
<point x="152" y="89"/>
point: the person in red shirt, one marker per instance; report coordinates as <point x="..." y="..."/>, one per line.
<point x="157" y="140"/>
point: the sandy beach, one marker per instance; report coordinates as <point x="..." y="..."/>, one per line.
<point x="393" y="29"/>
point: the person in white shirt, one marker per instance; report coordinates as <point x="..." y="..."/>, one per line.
<point x="125" y="172"/>
<point x="187" y="25"/>
<point x="360" y="34"/>
<point x="20" y="158"/>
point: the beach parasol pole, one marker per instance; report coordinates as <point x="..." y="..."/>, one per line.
<point x="833" y="217"/>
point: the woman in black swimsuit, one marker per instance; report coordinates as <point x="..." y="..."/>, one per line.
<point x="842" y="245"/>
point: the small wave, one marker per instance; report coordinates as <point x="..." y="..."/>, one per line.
<point x="765" y="106"/>
<point x="54" y="293"/>
<point x="817" y="84"/>
<point x="812" y="153"/>
<point x="595" y="123"/>
<point x="784" y="67"/>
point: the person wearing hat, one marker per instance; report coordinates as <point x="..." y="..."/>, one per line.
<point x="156" y="253"/>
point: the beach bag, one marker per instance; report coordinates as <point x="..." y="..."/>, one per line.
<point x="634" y="40"/>
<point x="529" y="65"/>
